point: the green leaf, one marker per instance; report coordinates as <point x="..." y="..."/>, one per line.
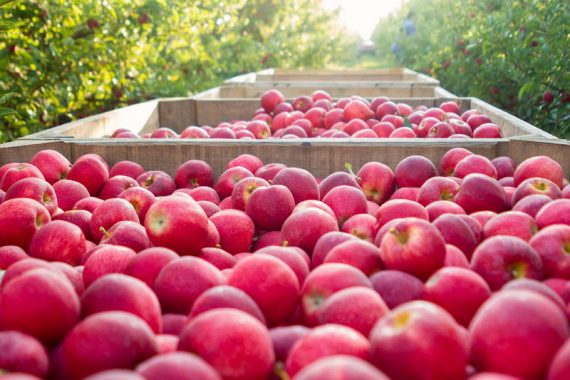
<point x="7" y="25"/>
<point x="526" y="88"/>
<point x="6" y="111"/>
<point x="4" y="98"/>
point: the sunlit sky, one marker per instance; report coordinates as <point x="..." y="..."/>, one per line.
<point x="361" y="16"/>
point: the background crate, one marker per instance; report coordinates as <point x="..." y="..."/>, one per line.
<point x="178" y="113"/>
<point x="286" y="75"/>
<point x="335" y="89"/>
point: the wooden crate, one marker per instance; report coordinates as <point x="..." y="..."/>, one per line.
<point x="335" y="89"/>
<point x="381" y="75"/>
<point x="178" y="113"/>
<point x="321" y="157"/>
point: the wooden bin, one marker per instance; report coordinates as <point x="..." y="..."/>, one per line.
<point x="178" y="113"/>
<point x="321" y="157"/>
<point x="352" y="75"/>
<point x="335" y="89"/>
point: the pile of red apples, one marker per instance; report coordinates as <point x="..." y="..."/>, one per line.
<point x="454" y="271"/>
<point x="319" y="116"/>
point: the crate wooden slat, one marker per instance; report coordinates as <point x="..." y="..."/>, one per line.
<point x="321" y="157"/>
<point x="178" y="113"/>
<point x="335" y="89"/>
<point x="142" y="117"/>
<point x="396" y="74"/>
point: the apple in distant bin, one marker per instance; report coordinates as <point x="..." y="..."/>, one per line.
<point x="270" y="99"/>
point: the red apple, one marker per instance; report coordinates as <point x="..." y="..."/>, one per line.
<point x="58" y="241"/>
<point x="474" y="163"/>
<point x="534" y="186"/>
<point x="396" y="287"/>
<point x="194" y="173"/>
<point x="459" y="291"/>
<point x="36" y="189"/>
<point x="513" y="223"/>
<point x="413" y="171"/>
<point x="363" y="226"/>
<point x="18" y="172"/>
<point x="92" y="346"/>
<point x="177" y="366"/>
<point x="419" y="340"/>
<point x="9" y="254"/>
<point x="177" y="223"/>
<point x="437" y="189"/>
<point x="271" y="283"/>
<point x="500" y="259"/>
<point x="324" y="281"/>
<point x="91" y="171"/>
<point x="357" y="253"/>
<point x="560" y="366"/>
<point x="400" y="208"/>
<point x="106" y="259"/>
<point x="53" y="165"/>
<point x="304" y="228"/>
<point x="413" y="246"/>
<point x="324" y="341"/>
<point x="555" y="212"/>
<point x="525" y="351"/>
<point x="183" y="280"/>
<point x="236" y="230"/>
<point x="356" y="307"/>
<point x="300" y="182"/>
<point x="39" y="292"/>
<point x="163" y="133"/>
<point x="193" y="132"/>
<point x="377" y="181"/>
<point x="20" y="218"/>
<point x="237" y="345"/>
<point x="553" y="245"/>
<point x="343" y="366"/>
<point x="157" y="182"/>
<point x="481" y="193"/>
<point x="122" y="293"/>
<point x="226" y="297"/>
<point x="23" y="354"/>
<point x="539" y="166"/>
<point x="147" y="264"/>
<point x="457" y="232"/>
<point x="270" y="99"/>
<point x="68" y="193"/>
<point x="327" y="242"/>
<point x="270" y="206"/>
<point x="450" y="160"/>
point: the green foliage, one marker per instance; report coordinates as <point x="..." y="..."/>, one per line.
<point x="61" y="60"/>
<point x="509" y="53"/>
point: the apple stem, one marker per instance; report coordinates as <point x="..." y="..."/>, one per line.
<point x="348" y="167"/>
<point x="105" y="232"/>
<point x="280" y="372"/>
<point x="285" y="243"/>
